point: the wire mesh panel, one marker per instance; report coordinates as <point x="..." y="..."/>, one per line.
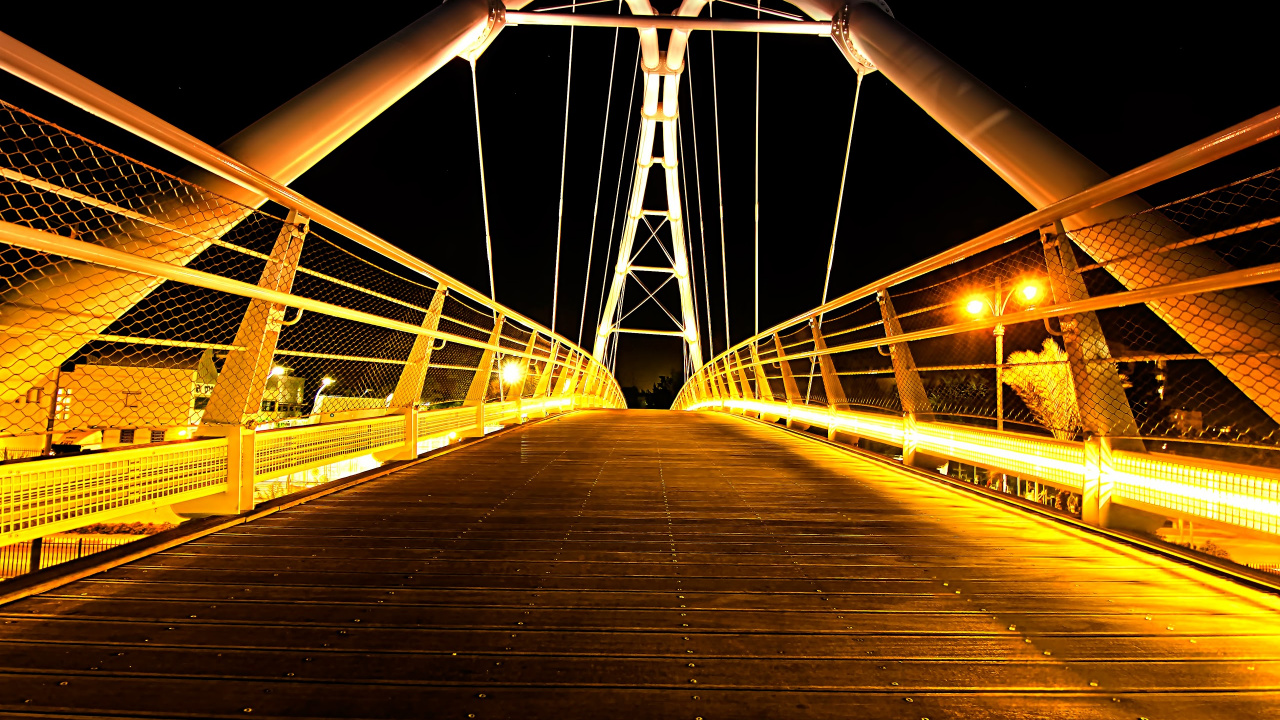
<point x="252" y="318"/>
<point x="1038" y="359"/>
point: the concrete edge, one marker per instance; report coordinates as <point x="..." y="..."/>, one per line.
<point x="1252" y="579"/>
<point x="54" y="577"/>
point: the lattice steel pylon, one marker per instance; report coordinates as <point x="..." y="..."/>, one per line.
<point x="661" y="73"/>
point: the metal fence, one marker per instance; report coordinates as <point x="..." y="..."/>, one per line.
<point x="142" y="311"/>
<point x="1133" y="362"/>
<point x="21" y="558"/>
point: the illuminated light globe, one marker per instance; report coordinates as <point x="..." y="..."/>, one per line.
<point x="975" y="307"/>
<point x="1029" y="292"/>
<point x="511" y="373"/>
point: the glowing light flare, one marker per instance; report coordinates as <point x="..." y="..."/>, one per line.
<point x="975" y="306"/>
<point x="277" y="371"/>
<point x="326" y="382"/>
<point x="512" y="373"/>
<point x="1030" y="292"/>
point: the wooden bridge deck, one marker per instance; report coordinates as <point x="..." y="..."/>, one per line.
<point x="646" y="565"/>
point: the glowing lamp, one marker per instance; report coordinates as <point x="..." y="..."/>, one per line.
<point x="512" y="373"/>
<point x="326" y="382"/>
<point x="277" y="371"/>
<point x="1029" y="292"/>
<point x="975" y="306"/>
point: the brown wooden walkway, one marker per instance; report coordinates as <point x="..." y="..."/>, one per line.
<point x="646" y="565"/>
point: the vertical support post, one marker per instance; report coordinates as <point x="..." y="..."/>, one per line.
<point x="910" y="389"/>
<point x="764" y="391"/>
<point x="479" y="389"/>
<point x="909" y="433"/>
<point x="37" y="550"/>
<point x="789" y="384"/>
<point x="408" y="392"/>
<point x="517" y="388"/>
<point x="543" y="389"/>
<point x="734" y="391"/>
<point x="1095" y="492"/>
<point x="1099" y="392"/>
<point x="237" y="396"/>
<point x="747" y="392"/>
<point x="830" y="380"/>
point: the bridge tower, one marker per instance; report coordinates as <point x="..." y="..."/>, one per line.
<point x="662" y="71"/>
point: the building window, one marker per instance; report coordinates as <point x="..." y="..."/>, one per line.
<point x="126" y="436"/>
<point x="157" y="436"/>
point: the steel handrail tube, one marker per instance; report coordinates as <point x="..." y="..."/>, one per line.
<point x="55" y="244"/>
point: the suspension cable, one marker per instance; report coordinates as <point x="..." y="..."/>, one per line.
<point x="844" y="176"/>
<point x="831" y="254"/>
<point x="702" y="231"/>
<point x="617" y="194"/>
<point x="484" y="196"/>
<point x="595" y="211"/>
<point x="564" y="156"/>
<point x="756" y="215"/>
<point x="684" y="188"/>
<point x="724" y="267"/>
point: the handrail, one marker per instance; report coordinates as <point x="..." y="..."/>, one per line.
<point x="63" y="82"/>
<point x="1257" y="129"/>
<point x="55" y="244"/>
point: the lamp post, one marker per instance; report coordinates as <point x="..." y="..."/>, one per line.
<point x="996" y="303"/>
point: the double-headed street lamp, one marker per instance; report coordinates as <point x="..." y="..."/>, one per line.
<point x="996" y="303"/>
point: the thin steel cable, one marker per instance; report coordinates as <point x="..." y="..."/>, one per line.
<point x="831" y="254"/>
<point x="844" y="176"/>
<point x="702" y="231"/>
<point x="595" y="211"/>
<point x="564" y="156"/>
<point x="484" y="195"/>
<point x="617" y="194"/>
<point x="756" y="214"/>
<point x="693" y="268"/>
<point x="724" y="267"/>
<point x="757" y="8"/>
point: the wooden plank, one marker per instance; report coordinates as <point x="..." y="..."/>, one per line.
<point x="600" y="564"/>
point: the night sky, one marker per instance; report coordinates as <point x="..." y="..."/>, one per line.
<point x="1121" y="82"/>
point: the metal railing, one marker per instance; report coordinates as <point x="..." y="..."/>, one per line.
<point x="1133" y="363"/>
<point x="165" y="345"/>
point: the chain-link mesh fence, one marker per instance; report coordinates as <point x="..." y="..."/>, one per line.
<point x="1040" y="365"/>
<point x="98" y="357"/>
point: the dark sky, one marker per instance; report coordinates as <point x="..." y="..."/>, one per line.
<point x="1122" y="82"/>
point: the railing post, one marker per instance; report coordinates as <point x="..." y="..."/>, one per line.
<point x="789" y="384"/>
<point x="1099" y="393"/>
<point x="735" y="393"/>
<point x="479" y="390"/>
<point x="1095" y="491"/>
<point x="909" y="432"/>
<point x="542" y="391"/>
<point x="517" y="388"/>
<point x="764" y="391"/>
<point x="237" y="396"/>
<point x="910" y="389"/>
<point x="238" y="498"/>
<point x="37" y="549"/>
<point x="831" y="385"/>
<point x="747" y="393"/>
<point x="408" y="392"/>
